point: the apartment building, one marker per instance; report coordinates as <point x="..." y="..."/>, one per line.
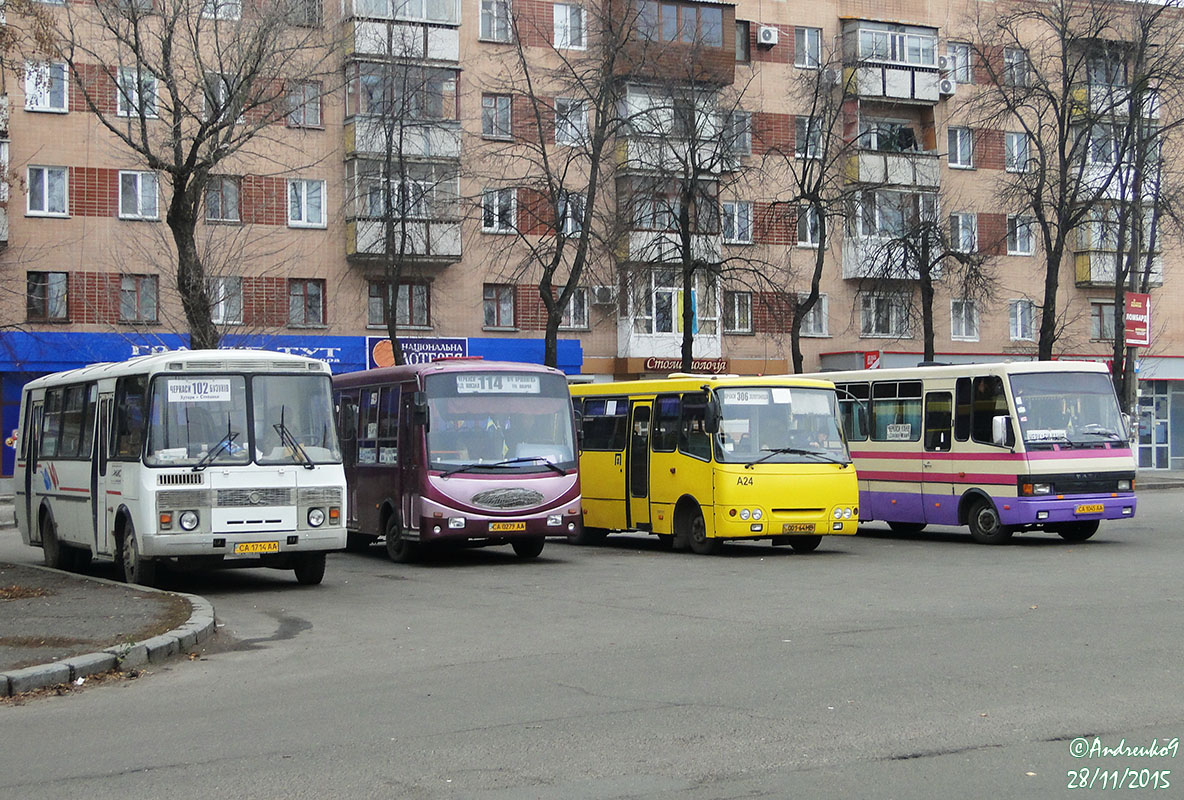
<point x="299" y="230"/>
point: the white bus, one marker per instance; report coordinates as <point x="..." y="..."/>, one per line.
<point x="192" y="458"/>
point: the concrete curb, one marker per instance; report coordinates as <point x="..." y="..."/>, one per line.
<point x="197" y="628"/>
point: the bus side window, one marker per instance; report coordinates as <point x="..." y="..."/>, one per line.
<point x="938" y="406"/>
<point x="853" y="407"/>
<point x="129" y="416"/>
<point x="666" y="424"/>
<point x="989" y="401"/>
<point x="693" y="439"/>
<point x="73" y="403"/>
<point x="51" y="423"/>
<point x="388" y="425"/>
<point x="88" y="420"/>
<point x="368" y="427"/>
<point x="962" y="410"/>
<point x="605" y="423"/>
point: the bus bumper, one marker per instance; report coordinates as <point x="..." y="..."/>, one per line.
<point x="1042" y="511"/>
<point x="728" y="527"/>
<point x="180" y="545"/>
<point x="460" y="528"/>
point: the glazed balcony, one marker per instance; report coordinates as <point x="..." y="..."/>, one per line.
<point x="427" y="240"/>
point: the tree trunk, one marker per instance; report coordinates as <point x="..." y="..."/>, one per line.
<point x="926" y="276"/>
<point x="1048" y="316"/>
<point x="191" y="281"/>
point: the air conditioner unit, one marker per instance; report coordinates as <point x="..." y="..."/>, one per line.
<point x="943" y="63"/>
<point x="947" y="86"/>
<point x="604" y="295"/>
<point x="767" y="36"/>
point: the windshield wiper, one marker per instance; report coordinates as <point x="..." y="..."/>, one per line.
<point x="1098" y="430"/>
<point x="797" y="451"/>
<point x="209" y="457"/>
<point x="288" y="439"/>
<point x="527" y="459"/>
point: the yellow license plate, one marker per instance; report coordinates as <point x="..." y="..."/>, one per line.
<point x="1090" y="508"/>
<point x="507" y="526"/>
<point x="797" y="527"/>
<point x="244" y="548"/>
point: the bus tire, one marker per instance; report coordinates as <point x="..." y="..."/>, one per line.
<point x="310" y="569"/>
<point x="804" y="544"/>
<point x="398" y="549"/>
<point x="136" y="568"/>
<point x="985" y="526"/>
<point x="694" y="530"/>
<point x="1078" y="531"/>
<point x="906" y="527"/>
<point x="587" y="535"/>
<point x="56" y="555"/>
<point x="358" y="542"/>
<point x="528" y="547"/>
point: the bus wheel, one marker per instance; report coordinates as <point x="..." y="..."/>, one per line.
<point x="136" y="568"/>
<point x="310" y="569"/>
<point x="985" y="526"/>
<point x="358" y="542"/>
<point x="56" y="556"/>
<point x="529" y="547"/>
<point x="1071" y="531"/>
<point x="804" y="544"/>
<point x="588" y="535"/>
<point x="695" y="531"/>
<point x="906" y="527"/>
<point x="399" y="549"/>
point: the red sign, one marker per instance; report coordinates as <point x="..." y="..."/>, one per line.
<point x="871" y="360"/>
<point x="1137" y="320"/>
<point x="714" y="366"/>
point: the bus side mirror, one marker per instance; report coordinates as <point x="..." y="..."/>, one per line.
<point x="1001" y="433"/>
<point x="711" y="416"/>
<point x="579" y="419"/>
<point x="419" y="410"/>
<point x="1126" y="427"/>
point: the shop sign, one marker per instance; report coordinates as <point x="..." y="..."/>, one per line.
<point x="711" y="366"/>
<point x="1137" y="320"/>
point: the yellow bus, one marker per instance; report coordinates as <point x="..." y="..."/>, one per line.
<point x="697" y="459"/>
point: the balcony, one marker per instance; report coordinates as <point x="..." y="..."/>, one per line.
<point x="1095" y="269"/>
<point x="863" y="258"/>
<point x="893" y="82"/>
<point x="891" y="62"/>
<point x="404" y="40"/>
<point x="677" y="40"/>
<point x="428" y="240"/>
<point x="428" y="140"/>
<point x="663" y="247"/>
<point x="673" y="156"/>
<point x="1113" y="102"/>
<point x="895" y="168"/>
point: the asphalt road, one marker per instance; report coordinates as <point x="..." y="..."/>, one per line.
<point x="877" y="667"/>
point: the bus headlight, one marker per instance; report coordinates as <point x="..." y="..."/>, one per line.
<point x="1124" y="486"/>
<point x="757" y="513"/>
<point x="456" y="522"/>
<point x="316" y="517"/>
<point x="188" y="520"/>
<point x="554" y="520"/>
<point x="1035" y="488"/>
<point x="846" y="513"/>
<point x="745" y="513"/>
<point x="838" y="513"/>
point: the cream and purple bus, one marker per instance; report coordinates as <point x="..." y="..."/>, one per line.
<point x="1000" y="447"/>
<point x="458" y="451"/>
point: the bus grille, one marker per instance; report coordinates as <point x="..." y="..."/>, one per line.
<point x="231" y="498"/>
<point x="182" y="498"/>
<point x="181" y="479"/>
<point x="507" y="498"/>
<point x="320" y="496"/>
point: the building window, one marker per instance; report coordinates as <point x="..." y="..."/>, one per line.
<point x="883" y="315"/>
<point x="137" y="93"/>
<point x="738" y="133"/>
<point x="495" y="116"/>
<point x="656" y="303"/>
<point x="222" y="9"/>
<point x="686" y="23"/>
<point x="1022" y="314"/>
<point x="963" y="321"/>
<point x="306" y="204"/>
<point x="306" y="13"/>
<point x="137" y="298"/>
<point x="743" y="42"/>
<point x="226" y="300"/>
<point x="571" y="121"/>
<point x="46" y="295"/>
<point x="571" y="213"/>
<point x="495" y="20"/>
<point x="47" y="191"/>
<point x="814" y="321"/>
<point x="497" y="302"/>
<point x="808" y="137"/>
<point x="880" y="42"/>
<point x="137" y="195"/>
<point x="1017" y="152"/>
<point x="497" y="211"/>
<point x="1105" y="143"/>
<point x="304" y="104"/>
<point x="1101" y="321"/>
<point x="737" y="222"/>
<point x="569" y="26"/>
<point x="737" y="312"/>
<point x="808" y="230"/>
<point x="958" y="58"/>
<point x="961" y="148"/>
<point x="964" y="232"/>
<point x="411" y="304"/>
<point x="575" y="313"/>
<point x="807" y="47"/>
<point x="1019" y="236"/>
<point x="46" y="87"/>
<point x="222" y="199"/>
<point x="1015" y="66"/>
<point x="306" y="302"/>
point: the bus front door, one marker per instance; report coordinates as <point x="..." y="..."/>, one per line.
<point x="637" y="467"/>
<point x="32" y="447"/>
<point x="103" y="491"/>
<point x="937" y="480"/>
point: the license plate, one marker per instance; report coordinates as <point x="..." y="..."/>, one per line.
<point x="797" y="527"/>
<point x="507" y="526"/>
<point x="246" y="548"/>
<point x="1090" y="508"/>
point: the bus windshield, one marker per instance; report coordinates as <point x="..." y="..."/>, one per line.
<point x="779" y="425"/>
<point x="498" y="421"/>
<point x="1078" y="408"/>
<point x="290" y="424"/>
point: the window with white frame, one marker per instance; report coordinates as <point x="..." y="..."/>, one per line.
<point x="1017" y="152"/>
<point x="495" y="116"/>
<point x="888" y="214"/>
<point x="497" y="303"/>
<point x="808" y="230"/>
<point x="137" y="298"/>
<point x="226" y="300"/>
<point x="807" y="47"/>
<point x="46" y="87"/>
<point x="1019" y="236"/>
<point x="495" y="21"/>
<point x="304" y="105"/>
<point x="137" y="195"/>
<point x="222" y="9"/>
<point x="738" y="312"/>
<point x="46" y="296"/>
<point x="738" y="133"/>
<point x="136" y="93"/>
<point x="883" y="315"/>
<point x="737" y="222"/>
<point x="808" y="137"/>
<point x="1105" y="143"/>
<point x="814" y="320"/>
<point x="569" y="26"/>
<point x="306" y="203"/>
<point x="411" y="304"/>
<point x="222" y="193"/>
<point x="961" y="147"/>
<point x="1015" y="67"/>
<point x="964" y="232"/>
<point x="218" y="97"/>
<point x="958" y="57"/>
<point x="498" y="211"/>
<point x="575" y="313"/>
<point x="657" y="303"/>
<point x="47" y="191"/>
<point x="963" y="320"/>
<point x="1022" y="316"/>
<point x="571" y="121"/>
<point x="884" y="42"/>
<point x="1101" y="320"/>
<point x="571" y="213"/>
<point x="306" y="302"/>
